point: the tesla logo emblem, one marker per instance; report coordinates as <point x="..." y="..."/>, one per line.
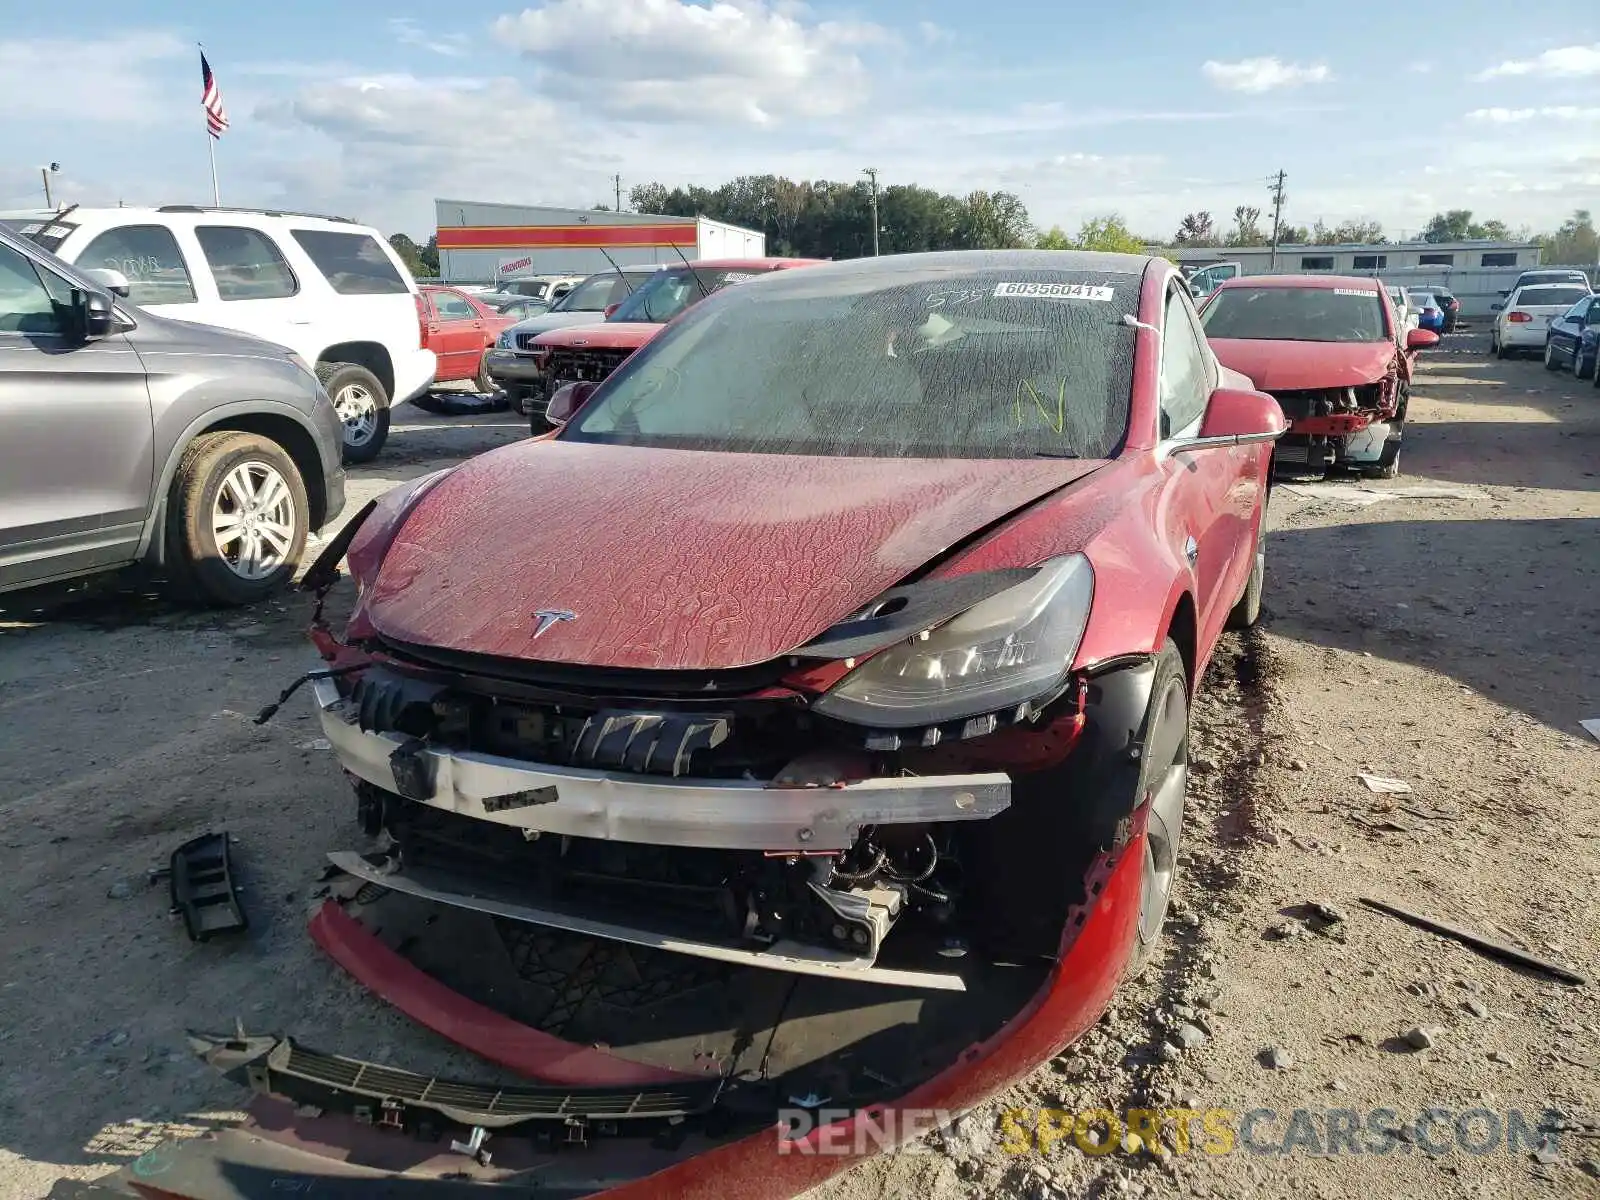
<point x="546" y="617"/>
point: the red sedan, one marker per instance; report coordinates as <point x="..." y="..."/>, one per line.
<point x="460" y="330"/>
<point x="828" y="759"/>
<point x="1333" y="353"/>
<point x="589" y="353"/>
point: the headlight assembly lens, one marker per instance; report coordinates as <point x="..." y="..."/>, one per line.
<point x="1012" y="647"/>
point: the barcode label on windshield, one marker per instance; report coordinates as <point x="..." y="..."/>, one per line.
<point x="1055" y="291"/>
<point x="1352" y="292"/>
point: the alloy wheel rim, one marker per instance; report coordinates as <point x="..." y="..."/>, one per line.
<point x="1168" y="746"/>
<point x="358" y="409"/>
<point x="253" y="520"/>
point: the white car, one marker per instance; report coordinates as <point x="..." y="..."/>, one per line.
<point x="1523" y="321"/>
<point x="332" y="291"/>
<point x="1407" y="315"/>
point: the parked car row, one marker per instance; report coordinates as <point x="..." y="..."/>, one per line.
<point x="130" y="437"/>
<point x="1522" y="323"/>
<point x="329" y="289"/>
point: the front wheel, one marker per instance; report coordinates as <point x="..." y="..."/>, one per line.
<point x="237" y="519"/>
<point x="1163" y="786"/>
<point x="1550" y="363"/>
<point x="483" y="382"/>
<point x="362" y="403"/>
<point x="1247" y="611"/>
<point x="1583" y="368"/>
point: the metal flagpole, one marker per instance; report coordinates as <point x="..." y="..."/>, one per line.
<point x="211" y="145"/>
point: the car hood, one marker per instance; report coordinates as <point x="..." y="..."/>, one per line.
<point x="557" y="320"/>
<point x="675" y="559"/>
<point x="608" y="335"/>
<point x="1292" y="366"/>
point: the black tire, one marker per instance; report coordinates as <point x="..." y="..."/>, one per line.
<point x="1550" y="363"/>
<point x="198" y="567"/>
<point x="483" y="382"/>
<point x="363" y="404"/>
<point x="1388" y="466"/>
<point x="516" y="400"/>
<point x="1247" y="611"/>
<point x="1583" y="368"/>
<point x="1165" y="737"/>
<point x="1500" y="351"/>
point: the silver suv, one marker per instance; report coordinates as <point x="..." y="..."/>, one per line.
<point x="126" y="437"/>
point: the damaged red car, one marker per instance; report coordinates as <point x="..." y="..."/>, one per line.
<point x="826" y="765"/>
<point x="1332" y="353"/>
<point x="589" y="353"/>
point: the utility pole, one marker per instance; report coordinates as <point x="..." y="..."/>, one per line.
<point x="1277" y="216"/>
<point x="617" y="179"/>
<point x="872" y="174"/>
<point x="44" y="174"/>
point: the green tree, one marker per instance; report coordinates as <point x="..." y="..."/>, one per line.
<point x="1109" y="233"/>
<point x="1452" y="226"/>
<point x="1360" y="232"/>
<point x="1196" y="229"/>
<point x="1246" y="229"/>
<point x="411" y="254"/>
<point x="430" y="255"/>
<point x="1055" y="239"/>
<point x="1575" y="242"/>
<point x="1293" y="235"/>
<point x="1496" y="230"/>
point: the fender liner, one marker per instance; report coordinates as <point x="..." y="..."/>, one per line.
<point x="1037" y="854"/>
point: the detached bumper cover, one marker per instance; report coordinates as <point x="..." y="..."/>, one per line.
<point x="619" y="806"/>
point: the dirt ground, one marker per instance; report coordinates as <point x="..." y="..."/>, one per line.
<point x="1448" y="642"/>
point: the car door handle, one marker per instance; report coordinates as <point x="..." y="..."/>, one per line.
<point x="1191" y="550"/>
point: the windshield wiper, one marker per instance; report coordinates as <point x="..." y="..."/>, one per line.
<point x="1055" y="454"/>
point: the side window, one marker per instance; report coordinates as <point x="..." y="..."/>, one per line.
<point x="149" y="256"/>
<point x="25" y="305"/>
<point x="245" y="262"/>
<point x="354" y="263"/>
<point x="1185" y="384"/>
<point x="452" y="307"/>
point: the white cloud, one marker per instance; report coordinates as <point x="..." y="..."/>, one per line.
<point x="1567" y="62"/>
<point x="670" y="60"/>
<point x="129" y="78"/>
<point x="1263" y="74"/>
<point x="1550" y="112"/>
<point x="934" y="34"/>
<point x="1421" y="68"/>
<point x="408" y="32"/>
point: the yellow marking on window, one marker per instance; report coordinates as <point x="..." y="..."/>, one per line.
<point x="1056" y="421"/>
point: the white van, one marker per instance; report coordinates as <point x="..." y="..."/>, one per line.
<point x="329" y="289"/>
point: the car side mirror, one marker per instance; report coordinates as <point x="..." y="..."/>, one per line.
<point x="1236" y="417"/>
<point x="1421" y="339"/>
<point x="1496" y="307"/>
<point x="114" y="282"/>
<point x="611" y="308"/>
<point x="94" y="314"/>
<point x="569" y="398"/>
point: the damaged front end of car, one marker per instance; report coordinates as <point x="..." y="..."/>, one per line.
<point x="1340" y="426"/>
<point x="900" y="853"/>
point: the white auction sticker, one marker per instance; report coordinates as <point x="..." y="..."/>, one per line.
<point x="1353" y="292"/>
<point x="1055" y="291"/>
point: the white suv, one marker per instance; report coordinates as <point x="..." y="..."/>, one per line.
<point x="330" y="290"/>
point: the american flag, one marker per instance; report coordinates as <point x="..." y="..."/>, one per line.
<point x="211" y="99"/>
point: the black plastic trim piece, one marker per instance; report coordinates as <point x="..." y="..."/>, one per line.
<point x="203" y="890"/>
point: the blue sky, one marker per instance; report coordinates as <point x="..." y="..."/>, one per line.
<point x="1149" y="109"/>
